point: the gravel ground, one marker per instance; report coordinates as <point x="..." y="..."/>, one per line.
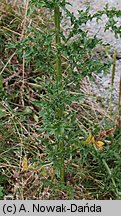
<point x="103" y="84"/>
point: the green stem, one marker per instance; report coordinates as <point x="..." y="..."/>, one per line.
<point x="112" y="80"/>
<point x="58" y="41"/>
<point x="62" y="170"/>
<point x="60" y="108"/>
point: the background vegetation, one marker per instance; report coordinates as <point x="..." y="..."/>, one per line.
<point x="58" y="140"/>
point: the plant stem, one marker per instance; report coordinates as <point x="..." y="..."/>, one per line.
<point x="60" y="107"/>
<point x="58" y="41"/>
<point x="62" y="171"/>
<point x="112" y="80"/>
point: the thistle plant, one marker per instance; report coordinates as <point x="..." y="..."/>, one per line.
<point x="54" y="109"/>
